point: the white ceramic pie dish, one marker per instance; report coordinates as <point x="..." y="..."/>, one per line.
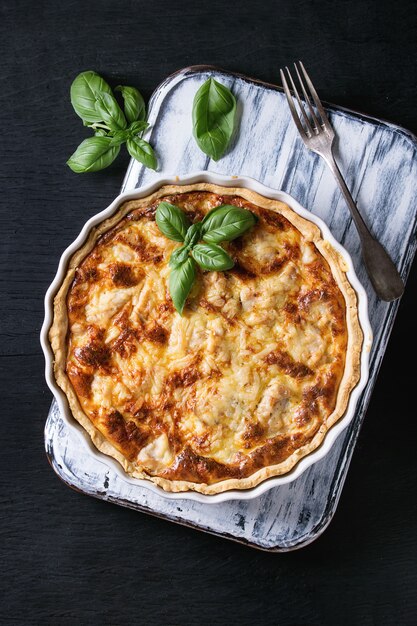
<point x="332" y="434"/>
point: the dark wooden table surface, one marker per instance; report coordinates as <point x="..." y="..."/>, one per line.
<point x="70" y="559"/>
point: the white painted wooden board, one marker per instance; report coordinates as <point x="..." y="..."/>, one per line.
<point x="379" y="162"/>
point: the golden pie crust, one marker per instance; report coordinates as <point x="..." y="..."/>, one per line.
<point x="240" y="387"/>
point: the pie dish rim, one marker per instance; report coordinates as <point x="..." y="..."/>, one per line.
<point x="362" y="310"/>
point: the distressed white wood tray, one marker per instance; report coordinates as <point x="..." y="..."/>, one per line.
<point x="379" y="161"/>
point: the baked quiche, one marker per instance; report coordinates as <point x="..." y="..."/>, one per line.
<point x="241" y="385"/>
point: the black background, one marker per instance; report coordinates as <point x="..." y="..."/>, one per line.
<point x="70" y="559"/>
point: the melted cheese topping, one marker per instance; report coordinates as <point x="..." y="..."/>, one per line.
<point x="245" y="377"/>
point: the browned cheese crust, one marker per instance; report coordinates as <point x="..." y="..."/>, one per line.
<point x="241" y="386"/>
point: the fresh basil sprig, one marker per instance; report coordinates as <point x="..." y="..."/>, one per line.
<point x="95" y="103"/>
<point x="223" y="223"/>
<point x="214" y="112"/>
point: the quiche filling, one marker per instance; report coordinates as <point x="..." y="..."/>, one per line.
<point x="241" y="385"/>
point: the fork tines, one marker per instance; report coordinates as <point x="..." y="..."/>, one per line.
<point x="312" y="120"/>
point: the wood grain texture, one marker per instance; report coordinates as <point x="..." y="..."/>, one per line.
<point x="67" y="558"/>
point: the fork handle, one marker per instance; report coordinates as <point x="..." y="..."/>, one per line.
<point x="382" y="272"/>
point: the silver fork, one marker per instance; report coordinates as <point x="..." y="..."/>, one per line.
<point x="318" y="135"/>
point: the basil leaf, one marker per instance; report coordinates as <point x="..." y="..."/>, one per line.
<point x="93" y="154"/>
<point x="100" y="132"/>
<point x="225" y="223"/>
<point x="134" y="104"/>
<point x="119" y="137"/>
<point x="179" y="256"/>
<point x="171" y="221"/>
<point x="110" y="112"/>
<point x="138" y="127"/>
<point x="212" y="257"/>
<point x="83" y="95"/>
<point x="214" y="110"/>
<point x="142" y="151"/>
<point x="181" y="280"/>
<point x="193" y="235"/>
